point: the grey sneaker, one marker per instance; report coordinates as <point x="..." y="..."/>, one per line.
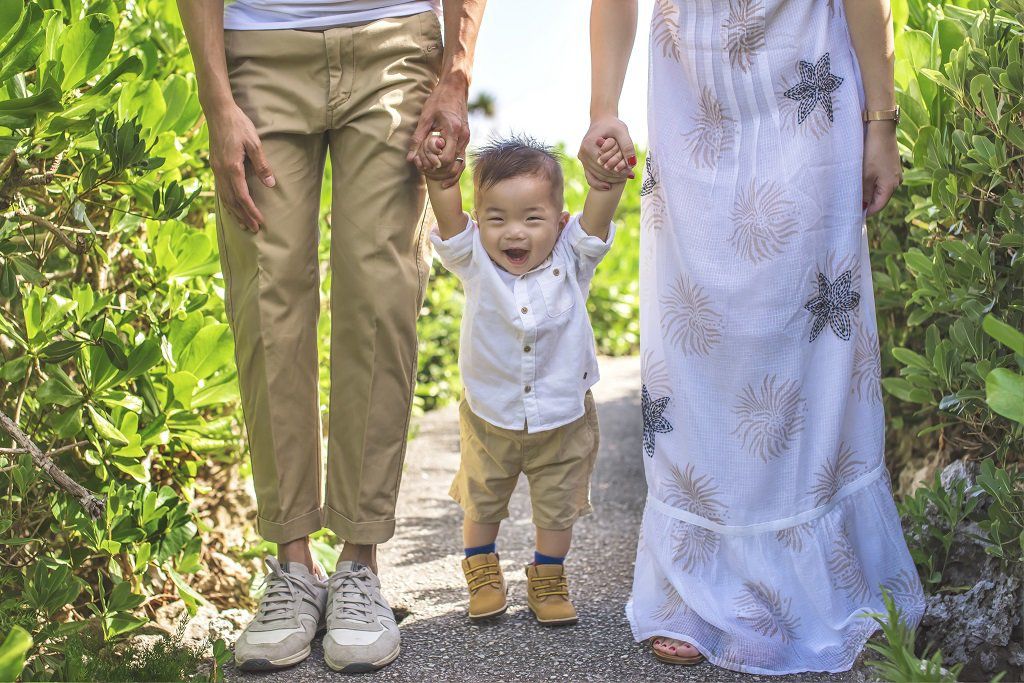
<point x="291" y="612"/>
<point x="362" y="634"/>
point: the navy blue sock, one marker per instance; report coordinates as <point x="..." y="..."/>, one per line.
<point x="481" y="550"/>
<point x="541" y="558"/>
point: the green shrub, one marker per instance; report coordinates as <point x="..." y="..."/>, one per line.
<point x="947" y="251"/>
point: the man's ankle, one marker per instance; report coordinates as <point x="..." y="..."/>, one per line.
<point x="363" y="554"/>
<point x="296" y="551"/>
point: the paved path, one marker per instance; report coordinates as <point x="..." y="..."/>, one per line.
<point x="421" y="573"/>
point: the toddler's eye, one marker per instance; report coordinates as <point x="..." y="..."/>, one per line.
<point x="534" y="218"/>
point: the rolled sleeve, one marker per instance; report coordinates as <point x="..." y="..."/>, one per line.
<point x="456" y="253"/>
<point x="588" y="249"/>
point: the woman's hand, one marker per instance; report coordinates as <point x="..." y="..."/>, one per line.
<point x="233" y="141"/>
<point x="600" y="175"/>
<point x="883" y="170"/>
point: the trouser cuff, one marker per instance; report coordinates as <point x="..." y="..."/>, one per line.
<point x="295" y="528"/>
<point x="360" y="533"/>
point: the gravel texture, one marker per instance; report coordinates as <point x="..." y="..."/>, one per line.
<point x="423" y="580"/>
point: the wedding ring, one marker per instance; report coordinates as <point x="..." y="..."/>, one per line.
<point x="435" y="133"/>
<point x="460" y="159"/>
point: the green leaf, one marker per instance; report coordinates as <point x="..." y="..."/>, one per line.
<point x="1004" y="393"/>
<point x="86" y="46"/>
<point x="25" y="45"/>
<point x="105" y="428"/>
<point x="58" y="390"/>
<point x="1004" y="334"/>
<point x="12" y="652"/>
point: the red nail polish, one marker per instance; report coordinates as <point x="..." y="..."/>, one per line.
<point x="632" y="161"/>
<point x="632" y="176"/>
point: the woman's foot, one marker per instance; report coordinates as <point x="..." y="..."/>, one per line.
<point x="674" y="651"/>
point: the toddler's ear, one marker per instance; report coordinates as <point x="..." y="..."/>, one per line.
<point x="563" y="220"/>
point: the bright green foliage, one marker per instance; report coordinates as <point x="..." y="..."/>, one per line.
<point x="114" y="349"/>
<point x="947" y="256"/>
<point x="898" y="663"/>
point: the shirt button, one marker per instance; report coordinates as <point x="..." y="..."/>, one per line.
<point x="524" y="309"/>
<point x="556" y="272"/>
<point x="526" y="349"/>
<point x="527" y="389"/>
<point x="584" y="375"/>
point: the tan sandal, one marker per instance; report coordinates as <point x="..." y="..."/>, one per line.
<point x="680" y="660"/>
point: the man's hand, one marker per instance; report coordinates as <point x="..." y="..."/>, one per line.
<point x="883" y="170"/>
<point x="445" y="111"/>
<point x="605" y="163"/>
<point x="233" y="141"/>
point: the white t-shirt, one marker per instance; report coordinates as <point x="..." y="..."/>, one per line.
<point x="527" y="348"/>
<point x="256" y="15"/>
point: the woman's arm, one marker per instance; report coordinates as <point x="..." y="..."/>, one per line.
<point x="446" y="109"/>
<point x="870" y="25"/>
<point x="612" y="30"/>
<point x="233" y="138"/>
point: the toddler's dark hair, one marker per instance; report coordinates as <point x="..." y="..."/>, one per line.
<point x="516" y="156"/>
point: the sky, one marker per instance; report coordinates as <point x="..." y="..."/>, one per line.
<point x="533" y="57"/>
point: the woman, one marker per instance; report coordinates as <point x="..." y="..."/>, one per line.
<point x="770" y="530"/>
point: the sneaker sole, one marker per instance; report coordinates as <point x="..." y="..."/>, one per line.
<point x="555" y="622"/>
<point x="362" y="667"/>
<point x="273" y="664"/>
<point x="489" y="615"/>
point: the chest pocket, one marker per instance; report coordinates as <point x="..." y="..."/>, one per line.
<point x="558" y="290"/>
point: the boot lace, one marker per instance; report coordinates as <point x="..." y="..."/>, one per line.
<point x="483" y="575"/>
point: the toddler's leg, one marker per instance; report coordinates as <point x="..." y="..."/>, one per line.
<point x="552" y="545"/>
<point x="478" y="537"/>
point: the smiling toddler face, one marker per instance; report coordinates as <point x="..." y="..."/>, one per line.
<point x="519" y="222"/>
<point x="519" y="198"/>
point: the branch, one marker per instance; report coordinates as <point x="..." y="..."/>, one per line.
<point x="50" y="454"/>
<point x="93" y="504"/>
<point x="9" y="162"/>
<point x="80" y="248"/>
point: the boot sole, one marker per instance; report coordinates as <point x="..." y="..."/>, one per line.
<point x="363" y="667"/>
<point x="259" y="664"/>
<point x="554" y="622"/>
<point x="489" y="615"/>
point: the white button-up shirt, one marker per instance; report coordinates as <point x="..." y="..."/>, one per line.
<point x="527" y="349"/>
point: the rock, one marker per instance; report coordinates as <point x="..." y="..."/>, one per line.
<point x="976" y="621"/>
<point x="207" y="625"/>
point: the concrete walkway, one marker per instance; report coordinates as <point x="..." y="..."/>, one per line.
<point x="423" y="580"/>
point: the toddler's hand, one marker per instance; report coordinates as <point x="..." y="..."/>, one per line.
<point x="431" y="148"/>
<point x="612" y="159"/>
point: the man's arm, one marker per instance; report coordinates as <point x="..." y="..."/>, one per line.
<point x="233" y="138"/>
<point x="446" y="109"/>
<point x="599" y="210"/>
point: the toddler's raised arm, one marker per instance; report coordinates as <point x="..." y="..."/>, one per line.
<point x="446" y="203"/>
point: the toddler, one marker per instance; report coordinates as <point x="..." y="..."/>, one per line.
<point x="527" y="360"/>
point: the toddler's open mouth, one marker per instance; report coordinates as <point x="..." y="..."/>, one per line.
<point x="516" y="257"/>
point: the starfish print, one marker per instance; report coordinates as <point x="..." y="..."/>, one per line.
<point x="654" y="423"/>
<point x="832" y="305"/>
<point x="816" y="85"/>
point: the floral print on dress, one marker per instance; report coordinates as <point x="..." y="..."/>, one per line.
<point x="832" y="306"/>
<point x="764" y="220"/>
<point x="665" y="25"/>
<point x="866" y="382"/>
<point x="654" y="422"/>
<point x="763" y="609"/>
<point x="690" y="321"/>
<point x="844" y="565"/>
<point x="650" y="180"/>
<point x="744" y="32"/>
<point x="712" y="132"/>
<point x="835" y="473"/>
<point x="817" y="82"/>
<point x="769" y="417"/>
<point x="694" y="546"/>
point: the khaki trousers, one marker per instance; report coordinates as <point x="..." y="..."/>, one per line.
<point x="355" y="93"/>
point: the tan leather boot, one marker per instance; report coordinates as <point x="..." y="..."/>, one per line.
<point x="486" y="586"/>
<point x="547" y="593"/>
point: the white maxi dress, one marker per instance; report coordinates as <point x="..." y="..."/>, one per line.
<point x="769" y="530"/>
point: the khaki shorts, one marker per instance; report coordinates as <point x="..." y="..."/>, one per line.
<point x="557" y="463"/>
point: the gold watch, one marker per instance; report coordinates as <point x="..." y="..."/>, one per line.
<point x="883" y="115"/>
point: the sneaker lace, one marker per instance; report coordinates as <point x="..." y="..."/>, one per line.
<point x="483" y="575"/>
<point x="351" y="592"/>
<point x="283" y="595"/>
<point x="543" y="586"/>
